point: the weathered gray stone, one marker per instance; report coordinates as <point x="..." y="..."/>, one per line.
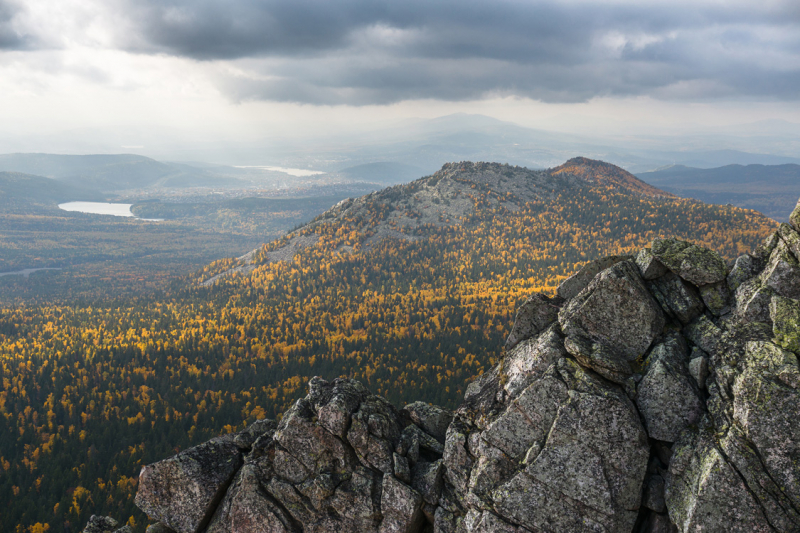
<point x="653" y="497"/>
<point x="649" y="267"/>
<point x="312" y="446"/>
<point x="752" y="301"/>
<point x="430" y="418"/>
<point x="615" y="310"/>
<point x="745" y="267"/>
<point x="697" y="265"/>
<point x="791" y="238"/>
<point x="698" y="368"/>
<point x="785" y="315"/>
<point x="570" y="287"/>
<point x="335" y="403"/>
<point x="716" y="297"/>
<point x="183" y="491"/>
<point x="782" y="273"/>
<point x="247" y="437"/>
<point x="795" y="217"/>
<point x="374" y="432"/>
<point x="677" y="298"/>
<point x="595" y="437"/>
<point x="529" y="360"/>
<point x="776" y="506"/>
<point x="426" y="478"/>
<point x="248" y="509"/>
<point x="766" y="406"/>
<point x="667" y="397"/>
<point x="486" y="522"/>
<point x="100" y="524"/>
<point x="402" y="470"/>
<point x="401" y="507"/>
<point x="158" y="527"/>
<point x="599" y="358"/>
<point x="703" y="492"/>
<point x="533" y="316"/>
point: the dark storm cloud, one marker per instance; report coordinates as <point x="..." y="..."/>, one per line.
<point x="363" y="52"/>
<point x="10" y="37"/>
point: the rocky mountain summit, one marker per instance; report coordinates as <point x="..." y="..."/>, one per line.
<point x="448" y="198"/>
<point x="654" y="393"/>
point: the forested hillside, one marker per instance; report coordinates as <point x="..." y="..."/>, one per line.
<point x="411" y="290"/>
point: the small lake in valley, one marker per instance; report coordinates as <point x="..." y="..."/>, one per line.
<point x="103" y="208"/>
<point x="25" y="272"/>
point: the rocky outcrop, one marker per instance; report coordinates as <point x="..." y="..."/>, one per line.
<point x="656" y="393"/>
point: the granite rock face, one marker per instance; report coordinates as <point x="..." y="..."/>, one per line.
<point x="659" y="394"/>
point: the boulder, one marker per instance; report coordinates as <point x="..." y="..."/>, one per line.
<point x="432" y="419"/>
<point x="745" y="267"/>
<point x="247" y="508"/>
<point x="570" y="287"/>
<point x="677" y="298"/>
<point x="616" y="311"/>
<point x="716" y="297"/>
<point x="791" y="238"/>
<point x="703" y="492"/>
<point x="698" y="367"/>
<point x="158" y="527"/>
<point x="765" y="406"/>
<point x="533" y="316"/>
<point x="785" y="315"/>
<point x="567" y="425"/>
<point x="697" y="265"/>
<point x="795" y="217"/>
<point x="668" y="398"/>
<point x="401" y="506"/>
<point x="649" y="267"/>
<point x="782" y="273"/>
<point x="183" y="491"/>
<point x="101" y="524"/>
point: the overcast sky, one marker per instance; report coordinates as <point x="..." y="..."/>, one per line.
<point x="241" y="69"/>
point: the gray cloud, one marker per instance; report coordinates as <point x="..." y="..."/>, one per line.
<point x="10" y="36"/>
<point x="378" y="52"/>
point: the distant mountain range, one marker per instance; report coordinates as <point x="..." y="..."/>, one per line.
<point x="770" y="189"/>
<point x="19" y="192"/>
<point x="106" y="173"/>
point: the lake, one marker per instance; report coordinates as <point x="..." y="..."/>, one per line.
<point x="25" y="272"/>
<point x="103" y="208"/>
<point x="299" y="172"/>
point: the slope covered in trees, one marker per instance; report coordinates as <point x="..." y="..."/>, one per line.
<point x="411" y="290"/>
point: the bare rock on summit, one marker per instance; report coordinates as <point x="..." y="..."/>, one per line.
<point x="104" y="524"/>
<point x="570" y="287"/>
<point x="705" y="493"/>
<point x="617" y="312"/>
<point x="533" y="316"/>
<point x="697" y="265"/>
<point x="795" y="217"/>
<point x="668" y="397"/>
<point x="183" y="491"/>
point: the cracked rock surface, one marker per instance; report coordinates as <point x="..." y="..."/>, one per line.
<point x="655" y="394"/>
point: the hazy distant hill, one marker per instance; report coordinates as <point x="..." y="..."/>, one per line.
<point x="384" y="173"/>
<point x="19" y="192"/>
<point x="114" y="172"/>
<point x="770" y="189"/>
